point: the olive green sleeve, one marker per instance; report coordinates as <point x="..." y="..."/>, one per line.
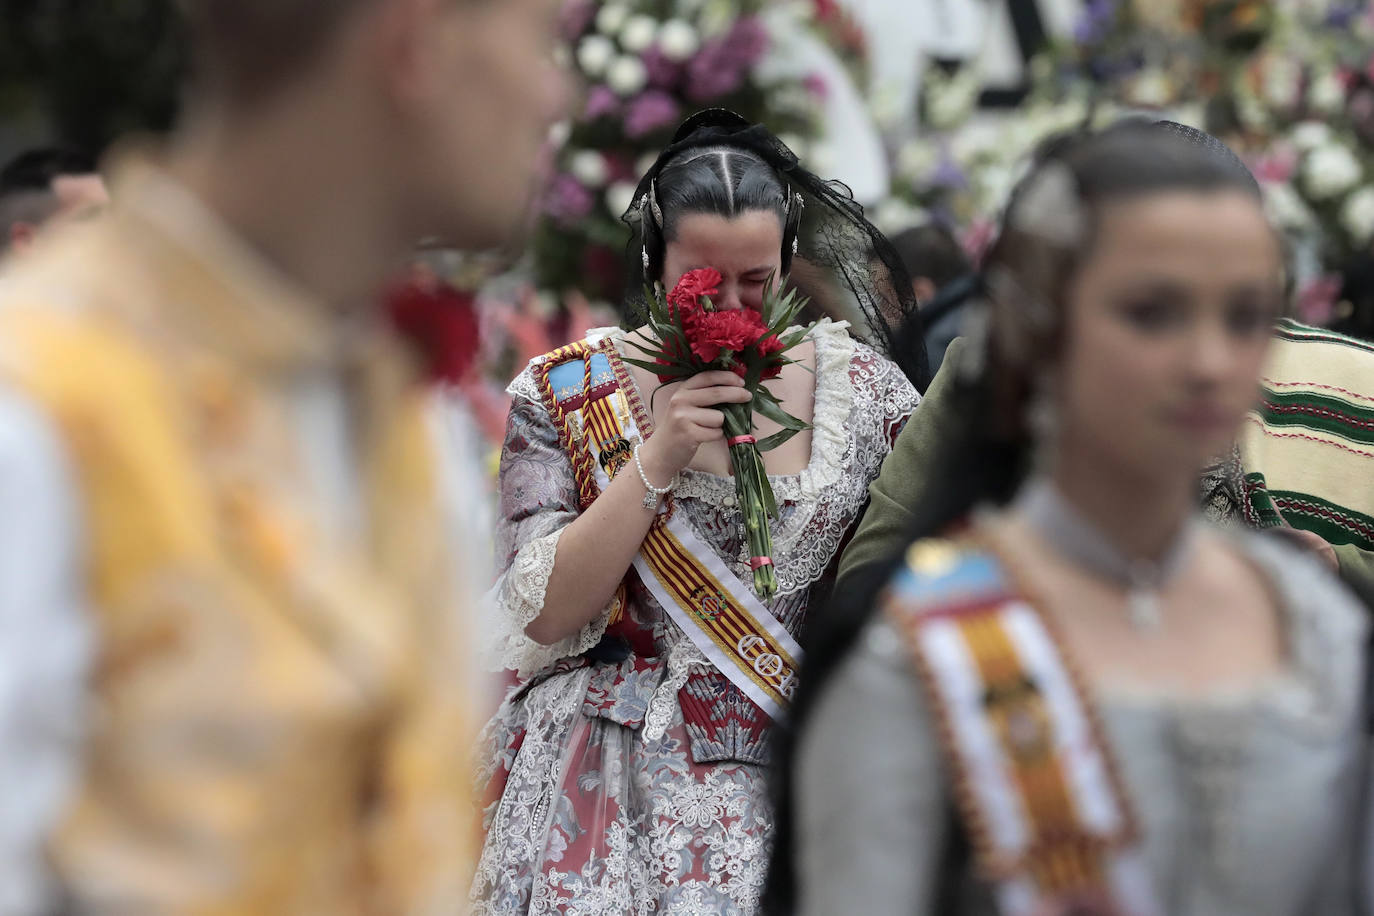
<point x="887" y="522"/>
<point x="1357" y="571"/>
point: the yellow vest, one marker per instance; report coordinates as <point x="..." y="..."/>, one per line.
<point x="279" y="719"/>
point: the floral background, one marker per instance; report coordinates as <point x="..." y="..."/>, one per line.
<point x="1289" y="84"/>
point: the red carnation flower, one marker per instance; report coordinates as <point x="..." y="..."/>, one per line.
<point x="767" y="346"/>
<point x="734" y="330"/>
<point x="704" y="281"/>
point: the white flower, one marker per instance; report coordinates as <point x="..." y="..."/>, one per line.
<point x="717" y="16"/>
<point x="638" y="33"/>
<point x="626" y="75"/>
<point x="612" y="18"/>
<point x="619" y="197"/>
<point x="678" y="40"/>
<point x="645" y="162"/>
<point x="916" y="160"/>
<point x="1327" y="93"/>
<point x="559" y="132"/>
<point x="1330" y="171"/>
<point x="894" y="214"/>
<point x="1311" y="134"/>
<point x="1357" y="216"/>
<point x="589" y="168"/>
<point x="594" y="55"/>
<point x="1282" y="79"/>
<point x="1286" y="207"/>
<point x="1152" y="88"/>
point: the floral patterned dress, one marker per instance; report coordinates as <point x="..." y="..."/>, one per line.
<point x="625" y="774"/>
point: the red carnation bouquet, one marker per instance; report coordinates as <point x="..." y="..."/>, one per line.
<point x="693" y="336"/>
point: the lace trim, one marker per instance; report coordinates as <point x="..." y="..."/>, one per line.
<point x="829" y="435"/>
<point x="519" y="597"/>
<point x="683" y="657"/>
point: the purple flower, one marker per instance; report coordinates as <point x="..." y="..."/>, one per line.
<point x="663" y="73"/>
<point x="1094" y="22"/>
<point x="747" y="41"/>
<point x="722" y="63"/>
<point x="567" y="201"/>
<point x="948" y="175"/>
<point x="649" y="112"/>
<point x="601" y="102"/>
<point x="815" y="84"/>
<point x="574" y="18"/>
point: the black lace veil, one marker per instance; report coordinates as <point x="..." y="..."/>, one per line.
<point x="831" y="233"/>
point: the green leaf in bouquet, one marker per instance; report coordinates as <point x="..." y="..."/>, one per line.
<point x="768" y="406"/>
<point x="768" y="443"/>
<point x="669" y="370"/>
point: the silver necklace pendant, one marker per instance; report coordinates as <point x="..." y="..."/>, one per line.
<point x="1142" y="608"/>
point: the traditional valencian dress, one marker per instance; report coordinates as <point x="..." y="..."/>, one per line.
<point x="627" y="773"/>
<point x="1003" y="783"/>
<point x="233" y="511"/>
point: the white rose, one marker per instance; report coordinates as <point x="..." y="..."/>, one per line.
<point x="619" y="197"/>
<point x="1286" y="207"/>
<point x="612" y="18"/>
<point x="638" y="33"/>
<point x="678" y="40"/>
<point x="589" y="168"/>
<point x="1330" y="171"/>
<point x="626" y="75"/>
<point x="595" y="54"/>
<point x="1358" y="215"/>
<point x="1311" y="134"/>
<point x="1327" y="93"/>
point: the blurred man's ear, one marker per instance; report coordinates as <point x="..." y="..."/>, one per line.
<point x="21" y="237"/>
<point x="924" y="288"/>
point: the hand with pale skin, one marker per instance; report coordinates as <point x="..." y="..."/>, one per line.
<point x="596" y="550"/>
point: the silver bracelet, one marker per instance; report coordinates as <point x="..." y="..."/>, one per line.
<point x="654" y="493"/>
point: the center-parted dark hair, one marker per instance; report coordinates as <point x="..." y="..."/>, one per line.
<point x="721" y="181"/>
<point x="1048" y="230"/>
<point x="719" y="162"/>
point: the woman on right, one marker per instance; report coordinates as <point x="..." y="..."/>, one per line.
<point x="1071" y="695"/>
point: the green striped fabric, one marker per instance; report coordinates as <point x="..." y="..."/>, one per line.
<point x="1308" y="449"/>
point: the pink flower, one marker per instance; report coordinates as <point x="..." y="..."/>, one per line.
<point x="649" y="112"/>
<point x="601" y="102"/>
<point x="663" y="73"/>
<point x="567" y="201"/>
<point x="1317" y="301"/>
<point x="721" y="65"/>
<point x="815" y="84"/>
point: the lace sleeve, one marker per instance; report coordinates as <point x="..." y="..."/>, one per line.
<point x="896" y="396"/>
<point x="538" y="501"/>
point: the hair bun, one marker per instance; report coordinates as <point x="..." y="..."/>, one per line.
<point x="722" y="118"/>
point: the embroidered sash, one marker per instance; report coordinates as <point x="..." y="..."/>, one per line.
<point x="592" y="399"/>
<point x="1034" y="780"/>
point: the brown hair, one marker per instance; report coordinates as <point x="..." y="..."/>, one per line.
<point x="245" y="48"/>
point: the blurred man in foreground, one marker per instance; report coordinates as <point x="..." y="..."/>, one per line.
<point x="224" y="482"/>
<point x="46" y="186"/>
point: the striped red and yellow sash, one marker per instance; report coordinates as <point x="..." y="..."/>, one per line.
<point x="595" y="405"/>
